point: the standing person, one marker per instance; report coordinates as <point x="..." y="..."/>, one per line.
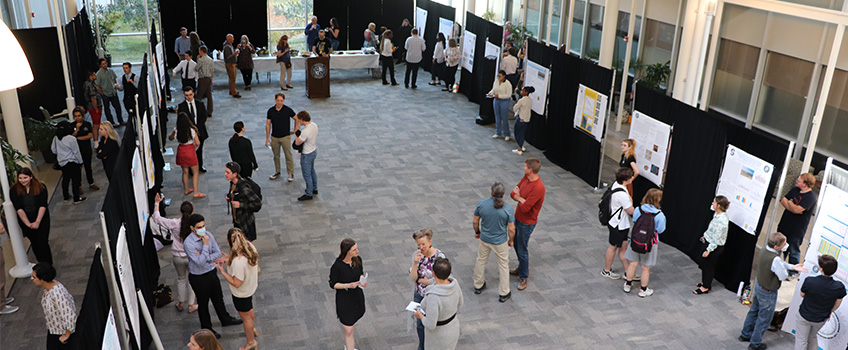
<point x="107" y="86"/>
<point x="308" y="138"/>
<point x="501" y="92"/>
<point x="311" y="31"/>
<point x="187" y="69"/>
<point x="346" y="277"/>
<point x="438" y="60"/>
<point x="245" y="60"/>
<point x="370" y="36"/>
<point x="128" y="84"/>
<point x="241" y="151"/>
<point x="621" y="208"/>
<point x="494" y="226"/>
<point x="58" y="304"/>
<point x="713" y="241"/>
<point x="799" y="205"/>
<point x="196" y="43"/>
<point x="522" y="111"/>
<point x="84" y="133"/>
<point x="401" y="34"/>
<point x="322" y="46"/>
<point x="386" y="51"/>
<point x="230" y="62"/>
<point x="179" y="230"/>
<point x="29" y="197"/>
<point x="765" y="290"/>
<point x="821" y="295"/>
<point x="5" y="308"/>
<point x="333" y="32"/>
<point x="284" y="60"/>
<point x="186" y="135"/>
<point x="421" y="271"/>
<point x="628" y="160"/>
<point x="107" y="148"/>
<point x="205" y="72"/>
<point x="278" y="133"/>
<point x="530" y="194"/>
<point x="452" y="58"/>
<point x="203" y="253"/>
<point x="197" y="113"/>
<point x="204" y="339"/>
<point x="441" y="304"/>
<point x="68" y="156"/>
<point x="92" y="99"/>
<point x="243" y="200"/>
<point x="509" y="64"/>
<point x="415" y="47"/>
<point x="183" y="43"/>
<point x="242" y="273"/>
<point x="651" y="207"/>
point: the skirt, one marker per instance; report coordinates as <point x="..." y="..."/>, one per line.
<point x="186" y="155"/>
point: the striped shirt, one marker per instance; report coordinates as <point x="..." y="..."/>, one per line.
<point x="204" y="67"/>
<point x="59" y="310"/>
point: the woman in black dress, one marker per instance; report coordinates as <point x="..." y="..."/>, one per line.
<point x="107" y="148"/>
<point x="29" y="196"/>
<point x="345" y="279"/>
<point x="628" y="160"/>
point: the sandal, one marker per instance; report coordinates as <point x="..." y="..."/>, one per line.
<point x="200" y="195"/>
<point x="192" y="308"/>
<point x="179" y="306"/>
<point x="432" y="83"/>
<point x="189" y="191"/>
<point x="290" y="87"/>
<point x="255" y="333"/>
<point x="699" y="285"/>
<point x="700" y="291"/>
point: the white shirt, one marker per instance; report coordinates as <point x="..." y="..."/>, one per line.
<point x="414" y="48"/>
<point x="621" y="200"/>
<point x="780" y="267"/>
<point x="309" y="134"/>
<point x="188" y="65"/>
<point x="192" y="110"/>
<point x="387" y="47"/>
<point x="503" y="90"/>
<point x="248" y="275"/>
<point x="509" y="64"/>
<point x="439" y="52"/>
<point x="522" y="108"/>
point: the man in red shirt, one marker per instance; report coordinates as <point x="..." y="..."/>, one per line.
<point x="530" y="194"/>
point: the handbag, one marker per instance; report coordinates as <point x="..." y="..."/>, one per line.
<point x="162" y="296"/>
<point x="288" y="65"/>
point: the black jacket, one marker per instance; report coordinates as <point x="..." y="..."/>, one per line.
<point x="241" y="151"/>
<point x="200" y="122"/>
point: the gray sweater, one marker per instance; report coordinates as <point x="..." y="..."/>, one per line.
<point x="67" y="150"/>
<point x="441" y="301"/>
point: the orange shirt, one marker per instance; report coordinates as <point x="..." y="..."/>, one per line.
<point x="533" y="193"/>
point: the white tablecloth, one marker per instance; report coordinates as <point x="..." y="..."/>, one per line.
<point x="346" y="61"/>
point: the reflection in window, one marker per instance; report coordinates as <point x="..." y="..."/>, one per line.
<point x="577" y="27"/>
<point x="657" y="43"/>
<point x="556" y="20"/>
<point x="621" y="45"/>
<point x="596" y="25"/>
<point x="733" y="84"/>
<point x="533" y="12"/>
<point x="834" y="124"/>
<point x="783" y="94"/>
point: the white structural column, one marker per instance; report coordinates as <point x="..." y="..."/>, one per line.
<point x="696" y="50"/>
<point x="625" y="71"/>
<point x="823" y="95"/>
<point x="702" y="54"/>
<point x="608" y="34"/>
<point x="690" y="38"/>
<point x="16" y="137"/>
<point x="60" y="31"/>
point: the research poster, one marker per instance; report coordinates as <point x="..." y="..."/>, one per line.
<point x="125" y="274"/>
<point x="537" y="76"/>
<point x="651" y="150"/>
<point x="591" y="111"/>
<point x="420" y="20"/>
<point x="140" y="192"/>
<point x="160" y="64"/>
<point x="493" y="50"/>
<point x="110" y="334"/>
<point x="469" y="42"/>
<point x="148" y="153"/>
<point x="446" y="28"/>
<point x="744" y="181"/>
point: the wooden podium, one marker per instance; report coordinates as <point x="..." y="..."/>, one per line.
<point x="318" y="77"/>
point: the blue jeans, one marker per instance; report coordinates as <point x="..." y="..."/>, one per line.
<point x="520" y="128"/>
<point x="501" y="116"/>
<point x="794" y="252"/>
<point x="307" y="167"/>
<point x="420" y="326"/>
<point x="760" y="314"/>
<point x="522" y="240"/>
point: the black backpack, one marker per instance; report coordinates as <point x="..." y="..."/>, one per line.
<point x="643" y="234"/>
<point x="254" y="187"/>
<point x="604" y="211"/>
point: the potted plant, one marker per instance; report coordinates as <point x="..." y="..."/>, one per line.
<point x="656" y="75"/>
<point x="14" y="160"/>
<point x="518" y="34"/>
<point x="39" y="134"/>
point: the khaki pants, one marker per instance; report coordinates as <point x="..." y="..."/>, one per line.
<point x="285" y="73"/>
<point x="285" y="143"/>
<point x="231" y="74"/>
<point x="502" y="255"/>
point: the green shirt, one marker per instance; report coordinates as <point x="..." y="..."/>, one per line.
<point x="106" y="81"/>
<point x="716" y="233"/>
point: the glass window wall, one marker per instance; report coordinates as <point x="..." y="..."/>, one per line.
<point x="556" y="20"/>
<point x="577" y="27"/>
<point x="783" y="94"/>
<point x="534" y="12"/>
<point x="596" y="26"/>
<point x="736" y="69"/>
<point x="834" y="124"/>
<point x="621" y="44"/>
<point x="657" y="42"/>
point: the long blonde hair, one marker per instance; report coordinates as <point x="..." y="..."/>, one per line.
<point x="110" y="131"/>
<point x="632" y="150"/>
<point x="240" y="246"/>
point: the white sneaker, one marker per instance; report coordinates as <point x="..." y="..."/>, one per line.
<point x="291" y="177"/>
<point x="506" y="138"/>
<point x="523" y="149"/>
<point x="626" y="288"/>
<point x="496" y="136"/>
<point x="518" y="151"/>
<point x="274" y="176"/>
<point x="10" y="300"/>
<point x="646" y="293"/>
<point x="9" y="309"/>
<point x="611" y="275"/>
<point x="637" y="278"/>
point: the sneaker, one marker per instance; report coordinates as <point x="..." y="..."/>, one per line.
<point x="523" y="149"/>
<point x="626" y="288"/>
<point x="522" y="284"/>
<point x="762" y="346"/>
<point x="9" y="309"/>
<point x="236" y="96"/>
<point x="611" y="275"/>
<point x="314" y="192"/>
<point x="65" y="199"/>
<point x="480" y="290"/>
<point x="506" y="138"/>
<point x="79" y="200"/>
<point x="744" y="339"/>
<point x="10" y="300"/>
<point x="274" y="177"/>
<point x="518" y="151"/>
<point x="496" y="136"/>
<point x="646" y="293"/>
<point x="637" y="278"/>
<point x="304" y="198"/>
<point x="504" y="298"/>
<point x="291" y="177"/>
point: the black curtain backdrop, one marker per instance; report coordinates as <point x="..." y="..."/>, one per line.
<point x="471" y="82"/>
<point x="537" y="134"/>
<point x="176" y="14"/>
<point x="434" y="12"/>
<point x="360" y="14"/>
<point x="394" y="12"/>
<point x="41" y="46"/>
<point x="81" y="55"/>
<point x="93" y="315"/>
<point x="354" y="17"/>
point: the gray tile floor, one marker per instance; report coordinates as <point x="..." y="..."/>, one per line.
<point x="392" y="161"/>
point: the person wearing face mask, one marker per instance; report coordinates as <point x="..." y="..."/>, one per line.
<point x="203" y="252"/>
<point x="421" y="271"/>
<point x="765" y="290"/>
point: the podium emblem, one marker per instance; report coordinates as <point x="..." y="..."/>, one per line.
<point x="318" y="71"/>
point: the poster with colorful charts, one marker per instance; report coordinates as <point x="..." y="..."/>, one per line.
<point x="651" y="149"/>
<point x="744" y="181"/>
<point x="591" y="111"/>
<point x="537" y="76"/>
<point x="469" y="41"/>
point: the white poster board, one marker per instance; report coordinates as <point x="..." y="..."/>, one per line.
<point x="160" y="64"/>
<point x="140" y="192"/>
<point x="828" y="237"/>
<point x="469" y="42"/>
<point x="446" y="27"/>
<point x="744" y="181"/>
<point x="591" y="111"/>
<point x="110" y="334"/>
<point x="651" y="138"/>
<point x="493" y="50"/>
<point x="149" y="170"/>
<point x="125" y="275"/>
<point x="537" y="76"/>
<point x="420" y="20"/>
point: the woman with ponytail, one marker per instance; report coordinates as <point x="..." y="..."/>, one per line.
<point x="242" y="273"/>
<point x="179" y="229"/>
<point x="628" y="160"/>
<point x="494" y="226"/>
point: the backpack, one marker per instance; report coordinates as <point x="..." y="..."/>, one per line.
<point x="604" y="211"/>
<point x="162" y="295"/>
<point x="643" y="235"/>
<point x="255" y="187"/>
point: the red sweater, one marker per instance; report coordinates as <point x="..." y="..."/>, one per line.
<point x="533" y="193"/>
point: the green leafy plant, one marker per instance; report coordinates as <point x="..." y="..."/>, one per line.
<point x="656" y="75"/>
<point x="518" y="34"/>
<point x="489" y="15"/>
<point x="39" y="133"/>
<point x="14" y="160"/>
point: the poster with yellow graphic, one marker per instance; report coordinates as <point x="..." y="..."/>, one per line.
<point x="591" y="112"/>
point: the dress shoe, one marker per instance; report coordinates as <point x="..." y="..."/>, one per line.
<point x="202" y="169"/>
<point x="314" y="192"/>
<point x="304" y="198"/>
<point x="480" y="290"/>
<point x="744" y="338"/>
<point x="762" y="346"/>
<point x="217" y="335"/>
<point x="232" y="322"/>
<point x="522" y="284"/>
<point x="236" y="96"/>
<point x="94" y="187"/>
<point x="513" y="272"/>
<point x="504" y="298"/>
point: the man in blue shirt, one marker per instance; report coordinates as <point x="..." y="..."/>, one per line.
<point x="822" y="296"/>
<point x="311" y="32"/>
<point x="203" y="252"/>
<point x="183" y="43"/>
<point x="494" y="226"/>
